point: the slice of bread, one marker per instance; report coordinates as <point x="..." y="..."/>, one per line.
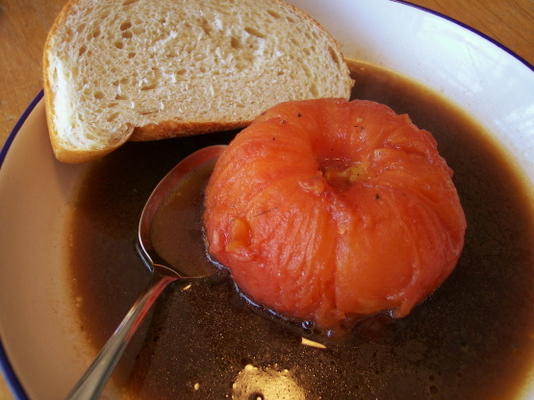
<point x="116" y="70"/>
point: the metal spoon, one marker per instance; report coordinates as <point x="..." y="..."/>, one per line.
<point x="92" y="382"/>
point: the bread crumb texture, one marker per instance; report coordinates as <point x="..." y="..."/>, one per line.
<point x="112" y="66"/>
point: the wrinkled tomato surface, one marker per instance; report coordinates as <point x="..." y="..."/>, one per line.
<point x="328" y="209"/>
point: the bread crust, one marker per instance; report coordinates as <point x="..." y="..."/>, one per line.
<point x="171" y="129"/>
<point x="156" y="131"/>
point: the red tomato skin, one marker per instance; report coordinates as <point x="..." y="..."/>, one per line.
<point x="328" y="209"/>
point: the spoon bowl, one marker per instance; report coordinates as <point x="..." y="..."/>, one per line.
<point x="164" y="272"/>
<point x="147" y="247"/>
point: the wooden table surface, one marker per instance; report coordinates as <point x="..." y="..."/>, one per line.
<point x="24" y="24"/>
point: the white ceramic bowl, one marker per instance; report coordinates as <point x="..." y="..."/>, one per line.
<point x="44" y="351"/>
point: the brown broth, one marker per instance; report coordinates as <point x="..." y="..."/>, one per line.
<point x="472" y="339"/>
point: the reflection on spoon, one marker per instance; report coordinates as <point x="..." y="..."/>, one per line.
<point x="158" y="244"/>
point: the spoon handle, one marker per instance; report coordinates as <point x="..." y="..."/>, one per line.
<point x="92" y="382"/>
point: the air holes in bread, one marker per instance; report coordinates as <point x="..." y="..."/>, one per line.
<point x="313" y="90"/>
<point x="254" y="32"/>
<point x="112" y="117"/>
<point x="150" y="81"/>
<point x="205" y="26"/>
<point x="273" y="14"/>
<point x="333" y="55"/>
<point x="149" y="86"/>
<point x="235" y="43"/>
<point x="68" y="36"/>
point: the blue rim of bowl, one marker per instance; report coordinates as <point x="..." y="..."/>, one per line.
<point x="5" y="366"/>
<point x="18" y="125"/>
<point x="469" y="28"/>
